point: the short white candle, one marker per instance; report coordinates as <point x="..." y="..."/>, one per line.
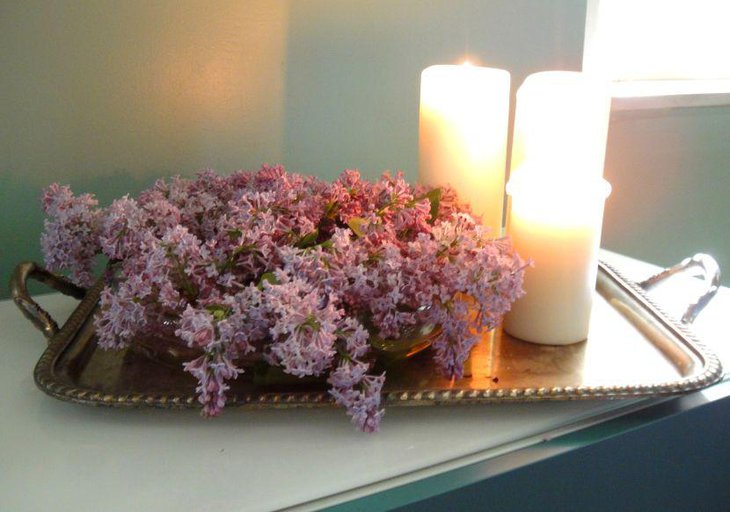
<point x="561" y="122"/>
<point x="463" y="120"/>
<point x="558" y="226"/>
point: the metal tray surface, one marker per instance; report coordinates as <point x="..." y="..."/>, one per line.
<point x="633" y="349"/>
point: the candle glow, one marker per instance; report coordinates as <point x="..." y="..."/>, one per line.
<point x="561" y="121"/>
<point x="559" y="228"/>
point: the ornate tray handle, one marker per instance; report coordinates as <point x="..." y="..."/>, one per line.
<point x="30" y="308"/>
<point x="708" y="270"/>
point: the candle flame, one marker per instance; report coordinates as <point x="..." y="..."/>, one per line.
<point x="470" y="60"/>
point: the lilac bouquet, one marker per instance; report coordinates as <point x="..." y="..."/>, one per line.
<point x="296" y="271"/>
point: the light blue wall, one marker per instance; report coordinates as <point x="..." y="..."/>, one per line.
<point x="353" y="73"/>
<point x="107" y="96"/>
<point x="670" y="171"/>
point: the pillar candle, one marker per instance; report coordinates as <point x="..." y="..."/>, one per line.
<point x="561" y="122"/>
<point x="463" y="119"/>
<point x="558" y="226"/>
<point x="556" y="196"/>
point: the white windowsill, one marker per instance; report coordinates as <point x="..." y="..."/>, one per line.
<point x="662" y="94"/>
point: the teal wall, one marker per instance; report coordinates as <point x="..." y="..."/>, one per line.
<point x="353" y="74"/>
<point x="670" y="171"/>
<point x="107" y="96"/>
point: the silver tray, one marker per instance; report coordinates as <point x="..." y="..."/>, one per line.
<point x="633" y="349"/>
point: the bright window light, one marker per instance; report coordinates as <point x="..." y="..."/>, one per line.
<point x="658" y="39"/>
<point x="659" y="47"/>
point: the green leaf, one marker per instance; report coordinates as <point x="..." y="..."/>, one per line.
<point x="235" y="233"/>
<point x="310" y="322"/>
<point x="308" y="240"/>
<point x="356" y="224"/>
<point x="219" y="311"/>
<point x="267" y="277"/>
<point x="330" y="211"/>
<point x="434" y="196"/>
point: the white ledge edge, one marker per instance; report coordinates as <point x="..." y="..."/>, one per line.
<point x="664" y="94"/>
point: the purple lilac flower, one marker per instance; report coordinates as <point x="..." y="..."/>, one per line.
<point x="287" y="268"/>
<point x="197" y="328"/>
<point x="358" y="393"/>
<point x="120" y="318"/>
<point x="304" y="326"/>
<point x="245" y="324"/>
<point x="212" y="371"/>
<point x="121" y="229"/>
<point x="352" y="386"/>
<point x="70" y="240"/>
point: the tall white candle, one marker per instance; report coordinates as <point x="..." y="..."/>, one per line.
<point x="558" y="226"/>
<point x="556" y="197"/>
<point x="561" y="123"/>
<point x="463" y="119"/>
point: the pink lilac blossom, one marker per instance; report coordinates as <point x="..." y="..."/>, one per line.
<point x="288" y="269"/>
<point x="304" y="325"/>
<point x="69" y="240"/>
<point x="351" y="385"/>
<point x="212" y="371"/>
<point x="123" y="226"/>
<point x="121" y="316"/>
<point x="358" y="393"/>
